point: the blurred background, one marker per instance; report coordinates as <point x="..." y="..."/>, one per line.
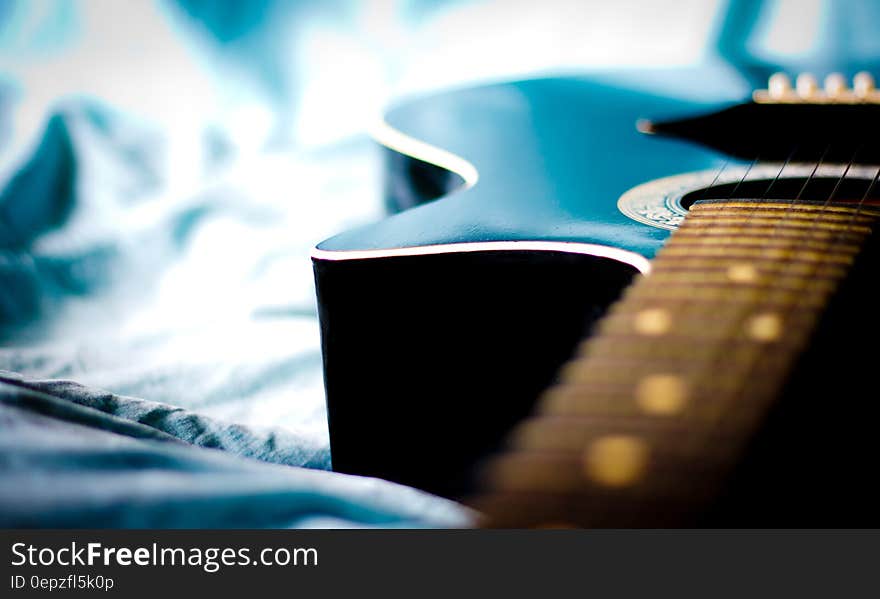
<point x="166" y="167"/>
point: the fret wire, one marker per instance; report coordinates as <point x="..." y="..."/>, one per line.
<point x="793" y="212"/>
<point x="825" y="213"/>
<point x="716" y="400"/>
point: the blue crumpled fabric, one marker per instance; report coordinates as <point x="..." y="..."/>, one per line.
<point x="74" y="457"/>
<point x="201" y="406"/>
<point x="159" y="348"/>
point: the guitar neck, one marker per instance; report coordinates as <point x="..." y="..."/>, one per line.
<point x="649" y="418"/>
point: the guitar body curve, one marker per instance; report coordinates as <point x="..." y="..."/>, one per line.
<point x="442" y="324"/>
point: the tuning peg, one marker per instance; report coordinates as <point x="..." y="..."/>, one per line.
<point x="835" y="85"/>
<point x="807" y="91"/>
<point x="778" y="86"/>
<point x="863" y="84"/>
<point x="806" y="86"/>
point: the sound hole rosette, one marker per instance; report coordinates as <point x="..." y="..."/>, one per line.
<point x="664" y="202"/>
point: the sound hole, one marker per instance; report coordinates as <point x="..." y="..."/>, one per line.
<point x="818" y="189"/>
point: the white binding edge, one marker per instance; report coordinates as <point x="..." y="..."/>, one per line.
<point x="637" y="261"/>
<point x="402" y="143"/>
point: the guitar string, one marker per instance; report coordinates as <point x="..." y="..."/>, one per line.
<point x="703" y="193"/>
<point x="717" y="419"/>
<point x="802" y="189"/>
<point x="841" y="233"/>
<point x="638" y="508"/>
<point x="853" y="215"/>
<point x="737" y="322"/>
<point x="702" y="437"/>
<point x="813" y="226"/>
<point x="809" y="235"/>
<point x="640" y="505"/>
<point x="698" y="437"/>
<point x="811" y="231"/>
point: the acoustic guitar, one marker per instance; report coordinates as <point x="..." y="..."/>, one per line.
<point x="631" y="299"/>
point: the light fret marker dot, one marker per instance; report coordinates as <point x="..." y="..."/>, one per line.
<point x="742" y="273"/>
<point x="764" y="327"/>
<point x="616" y="460"/>
<point x="662" y="394"/>
<point x="653" y="321"/>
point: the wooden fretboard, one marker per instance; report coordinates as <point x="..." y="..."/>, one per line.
<point x="650" y="416"/>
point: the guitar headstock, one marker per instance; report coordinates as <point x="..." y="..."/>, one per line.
<point x="799" y="122"/>
<point x="806" y="90"/>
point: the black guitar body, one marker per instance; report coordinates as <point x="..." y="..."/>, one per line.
<point x="443" y="354"/>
